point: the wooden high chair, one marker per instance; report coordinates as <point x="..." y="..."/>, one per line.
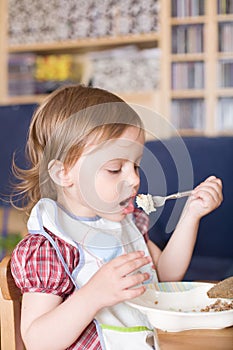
<point x="10" y="308"/>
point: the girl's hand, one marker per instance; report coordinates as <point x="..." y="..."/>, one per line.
<point x="205" y="197"/>
<point x="113" y="282"/>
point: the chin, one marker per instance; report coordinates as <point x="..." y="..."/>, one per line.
<point x="114" y="217"/>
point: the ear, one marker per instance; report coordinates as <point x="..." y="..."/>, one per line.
<point x="58" y="174"/>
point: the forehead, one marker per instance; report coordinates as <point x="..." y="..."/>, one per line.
<point x="128" y="146"/>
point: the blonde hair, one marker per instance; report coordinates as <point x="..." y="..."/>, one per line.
<point x="60" y="129"/>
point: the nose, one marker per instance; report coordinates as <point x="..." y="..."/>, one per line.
<point x="133" y="177"/>
<point x="129" y="181"/>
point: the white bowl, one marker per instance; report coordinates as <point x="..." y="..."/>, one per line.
<point x="180" y="310"/>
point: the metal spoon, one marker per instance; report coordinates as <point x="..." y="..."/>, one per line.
<point x="149" y="203"/>
<point x="159" y="201"/>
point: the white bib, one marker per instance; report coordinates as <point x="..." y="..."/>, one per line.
<point x="98" y="241"/>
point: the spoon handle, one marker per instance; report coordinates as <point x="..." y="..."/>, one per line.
<point x="179" y="195"/>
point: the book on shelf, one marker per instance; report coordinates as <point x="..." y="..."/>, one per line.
<point x="225" y="7"/>
<point x="225" y="114"/>
<point x="225" y="36"/>
<point x="187" y="8"/>
<point x="187" y="75"/>
<point x="187" y="38"/>
<point x="226" y="73"/>
<point x="188" y="113"/>
<point x="21" y="74"/>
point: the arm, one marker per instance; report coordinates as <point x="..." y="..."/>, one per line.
<point x="173" y="261"/>
<point x="49" y="323"/>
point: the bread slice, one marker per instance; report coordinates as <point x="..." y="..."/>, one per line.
<point x="223" y="289"/>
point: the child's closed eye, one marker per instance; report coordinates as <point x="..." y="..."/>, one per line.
<point x="114" y="171"/>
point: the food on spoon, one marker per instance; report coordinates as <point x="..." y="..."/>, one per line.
<point x="145" y="201"/>
<point x="223" y="289"/>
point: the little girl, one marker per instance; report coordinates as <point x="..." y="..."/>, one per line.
<point x="87" y="251"/>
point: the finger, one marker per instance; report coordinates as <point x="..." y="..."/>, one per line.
<point x="133" y="265"/>
<point x="212" y="187"/>
<point x="205" y="197"/>
<point x="209" y="181"/>
<point x="215" y="180"/>
<point x="133" y="293"/>
<point x="130" y="281"/>
<point x="208" y="198"/>
<point x="210" y="178"/>
<point x="124" y="258"/>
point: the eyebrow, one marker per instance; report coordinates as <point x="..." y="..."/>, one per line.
<point x="115" y="160"/>
<point x="122" y="159"/>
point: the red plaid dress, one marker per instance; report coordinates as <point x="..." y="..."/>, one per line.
<point x="36" y="268"/>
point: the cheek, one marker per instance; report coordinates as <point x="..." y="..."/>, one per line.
<point x="106" y="188"/>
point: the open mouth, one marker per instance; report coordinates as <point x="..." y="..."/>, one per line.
<point x="125" y="202"/>
<point x="128" y="205"/>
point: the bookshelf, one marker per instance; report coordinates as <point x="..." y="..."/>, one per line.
<point x="195" y="90"/>
<point x="225" y="65"/>
<point x="198" y="60"/>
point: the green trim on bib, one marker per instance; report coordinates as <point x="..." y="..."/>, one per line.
<point x="126" y="329"/>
